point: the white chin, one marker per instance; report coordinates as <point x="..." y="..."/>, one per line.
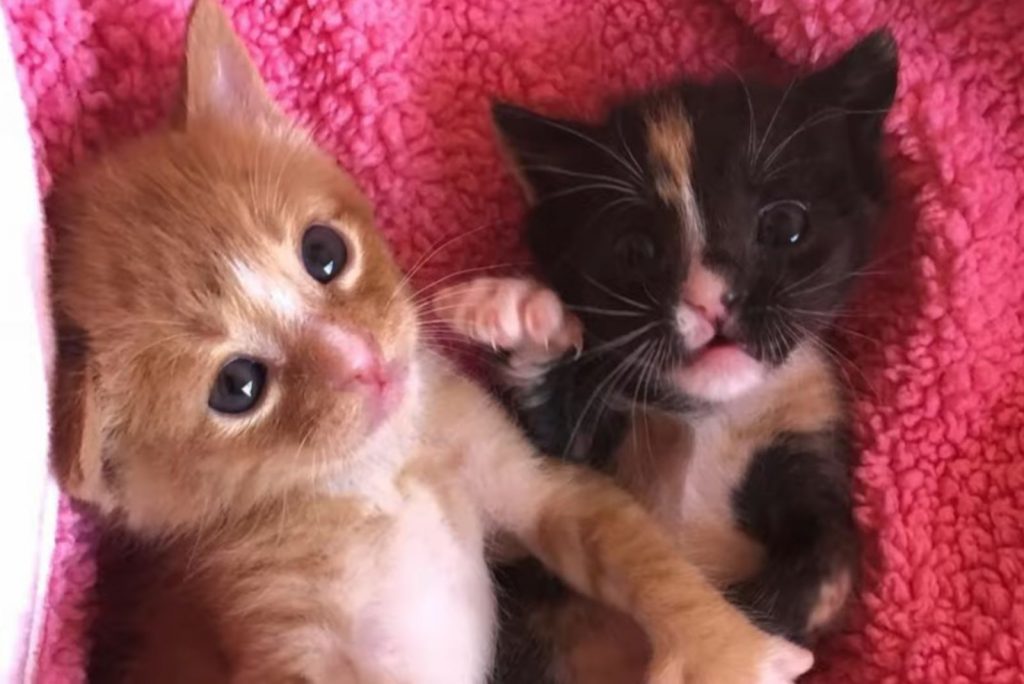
<point x="720" y="374"/>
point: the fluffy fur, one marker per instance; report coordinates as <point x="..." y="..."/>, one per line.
<point x="701" y="239"/>
<point x="336" y="530"/>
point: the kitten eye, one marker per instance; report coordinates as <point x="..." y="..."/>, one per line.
<point x="324" y="253"/>
<point x="782" y="224"/>
<point x="238" y="386"/>
<point x="635" y="250"/>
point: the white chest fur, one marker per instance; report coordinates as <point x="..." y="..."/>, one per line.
<point x="428" y="612"/>
<point x="688" y="470"/>
<point x="687" y="473"/>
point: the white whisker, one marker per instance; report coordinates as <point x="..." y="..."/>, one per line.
<point x="604" y="148"/>
<point x="616" y="295"/>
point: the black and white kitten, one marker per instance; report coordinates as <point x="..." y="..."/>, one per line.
<point x="693" y="247"/>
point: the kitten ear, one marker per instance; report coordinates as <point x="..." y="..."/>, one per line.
<point x="548" y="154"/>
<point x="76" y="434"/>
<point x="862" y="84"/>
<point x="220" y="79"/>
<point x="863" y="80"/>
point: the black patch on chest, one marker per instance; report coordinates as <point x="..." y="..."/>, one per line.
<point x="795" y="499"/>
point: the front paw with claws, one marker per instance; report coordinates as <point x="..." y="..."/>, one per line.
<point x="512" y="314"/>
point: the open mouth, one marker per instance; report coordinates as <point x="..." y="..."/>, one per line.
<point x="719" y="370"/>
<point x="719" y="340"/>
<point x="718" y="343"/>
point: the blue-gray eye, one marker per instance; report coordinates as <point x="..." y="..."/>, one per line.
<point x="782" y="224"/>
<point x="324" y="253"/>
<point x="239" y="386"/>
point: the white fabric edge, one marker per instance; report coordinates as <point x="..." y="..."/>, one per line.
<point x="28" y="497"/>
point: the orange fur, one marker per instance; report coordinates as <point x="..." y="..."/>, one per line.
<point x="317" y="543"/>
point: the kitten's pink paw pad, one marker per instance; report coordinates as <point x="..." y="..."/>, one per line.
<point x="509" y="313"/>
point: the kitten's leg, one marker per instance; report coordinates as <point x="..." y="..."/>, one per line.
<point x="600" y="541"/>
<point x="795" y="500"/>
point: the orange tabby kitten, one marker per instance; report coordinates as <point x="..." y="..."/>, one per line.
<point x="240" y="377"/>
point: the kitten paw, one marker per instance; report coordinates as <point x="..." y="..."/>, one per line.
<point x="770" y="660"/>
<point x="785" y="662"/>
<point x="515" y="314"/>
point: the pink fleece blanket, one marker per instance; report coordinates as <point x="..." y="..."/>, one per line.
<point x="398" y="89"/>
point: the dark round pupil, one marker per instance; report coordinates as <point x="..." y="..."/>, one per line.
<point x="238" y="386"/>
<point x="324" y="253"/>
<point x="783" y="224"/>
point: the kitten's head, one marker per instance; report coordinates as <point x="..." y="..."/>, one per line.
<point x="709" y="229"/>
<point x="230" y="323"/>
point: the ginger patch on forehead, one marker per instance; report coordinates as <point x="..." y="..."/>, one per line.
<point x="670" y="142"/>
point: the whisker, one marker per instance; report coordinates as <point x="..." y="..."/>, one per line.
<point x="579" y="174"/>
<point x="616" y="295"/>
<point x="751" y="118"/>
<point x="620" y="368"/>
<point x="431" y="253"/>
<point x="606" y="312"/>
<point x="620" y="202"/>
<point x="648" y="370"/>
<point x="583" y="188"/>
<point x="619" y="341"/>
<point x="466" y="271"/>
<point x="626" y="147"/>
<point x="604" y="148"/>
<point x="792" y="286"/>
<point x="771" y="122"/>
<point x="813" y="120"/>
<point x="844" y="363"/>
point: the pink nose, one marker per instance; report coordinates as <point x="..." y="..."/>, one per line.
<point x="707" y="292"/>
<point x="351" y="358"/>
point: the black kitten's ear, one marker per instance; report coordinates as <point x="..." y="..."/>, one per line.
<point x="549" y="154"/>
<point x="862" y="83"/>
<point x="863" y="79"/>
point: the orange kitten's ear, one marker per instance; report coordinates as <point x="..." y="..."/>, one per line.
<point x="220" y="78"/>
<point x="76" y="437"/>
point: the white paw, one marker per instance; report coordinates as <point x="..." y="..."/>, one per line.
<point x="751" y="657"/>
<point x="784" y="663"/>
<point x="832" y="598"/>
<point x="515" y="314"/>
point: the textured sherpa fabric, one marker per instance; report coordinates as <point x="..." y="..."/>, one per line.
<point x="398" y="90"/>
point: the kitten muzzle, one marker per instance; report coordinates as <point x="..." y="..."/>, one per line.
<point x="352" y="361"/>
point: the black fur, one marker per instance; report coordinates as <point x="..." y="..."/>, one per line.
<point x="560" y="398"/>
<point x="605" y="241"/>
<point x="795" y="500"/>
<point x="523" y="654"/>
<point x="617" y="253"/>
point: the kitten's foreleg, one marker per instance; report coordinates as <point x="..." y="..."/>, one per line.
<point x="601" y="542"/>
<point x="795" y="500"/>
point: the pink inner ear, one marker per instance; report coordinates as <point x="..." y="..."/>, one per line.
<point x="232" y="87"/>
